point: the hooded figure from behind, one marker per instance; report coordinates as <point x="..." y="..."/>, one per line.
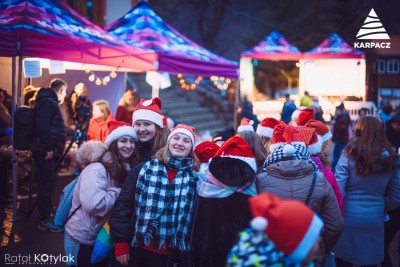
<point x="222" y="210"/>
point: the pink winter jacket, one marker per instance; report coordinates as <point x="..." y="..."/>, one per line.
<point x="95" y="191"/>
<point x="330" y="177"/>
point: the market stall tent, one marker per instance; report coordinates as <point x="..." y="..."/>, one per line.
<point x="142" y="28"/>
<point x="333" y="68"/>
<point x="273" y="47"/>
<point x="51" y="29"/>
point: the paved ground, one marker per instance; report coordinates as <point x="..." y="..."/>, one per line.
<point x="20" y="239"/>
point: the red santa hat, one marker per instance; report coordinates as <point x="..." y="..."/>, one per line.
<point x="287" y="136"/>
<point x="311" y="139"/>
<point x="304" y="116"/>
<point x="289" y="224"/>
<point x="321" y="128"/>
<point x="237" y="148"/>
<point x="149" y="110"/>
<point x="266" y="127"/>
<point x="206" y="150"/>
<point x="245" y="125"/>
<point x="184" y="129"/>
<point x="117" y="129"/>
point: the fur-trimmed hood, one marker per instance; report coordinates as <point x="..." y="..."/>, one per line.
<point x="91" y="151"/>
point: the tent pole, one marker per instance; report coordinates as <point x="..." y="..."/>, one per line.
<point x="13" y="155"/>
<point x="237" y="94"/>
<point x="155" y="91"/>
<point x="19" y="81"/>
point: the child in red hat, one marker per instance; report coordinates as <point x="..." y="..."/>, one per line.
<point x="282" y="233"/>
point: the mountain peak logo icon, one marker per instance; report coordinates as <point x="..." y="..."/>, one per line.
<point x="372" y="28"/>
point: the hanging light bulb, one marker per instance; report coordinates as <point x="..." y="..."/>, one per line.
<point x="105" y="82"/>
<point x="98" y="81"/>
<point x="113" y="74"/>
<point x="106" y="79"/>
<point x="91" y="78"/>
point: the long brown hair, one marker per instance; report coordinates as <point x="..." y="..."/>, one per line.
<point x="323" y="156"/>
<point x="368" y="145"/>
<point x="266" y="141"/>
<point x="160" y="139"/>
<point x="114" y="163"/>
<point x="163" y="154"/>
<point x="259" y="151"/>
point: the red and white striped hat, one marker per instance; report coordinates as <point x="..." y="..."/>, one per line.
<point x="312" y="140"/>
<point x="321" y="129"/>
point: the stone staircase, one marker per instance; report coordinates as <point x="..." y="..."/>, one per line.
<point x="193" y="108"/>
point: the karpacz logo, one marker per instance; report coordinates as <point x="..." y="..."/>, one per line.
<point x="372" y="29"/>
<point x="371" y="45"/>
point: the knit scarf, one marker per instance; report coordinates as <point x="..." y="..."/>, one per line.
<point x="300" y="153"/>
<point x="211" y="187"/>
<point x="163" y="209"/>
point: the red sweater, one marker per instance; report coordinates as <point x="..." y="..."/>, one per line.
<point x="122" y="248"/>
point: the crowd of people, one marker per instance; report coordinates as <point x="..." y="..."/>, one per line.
<point x="262" y="194"/>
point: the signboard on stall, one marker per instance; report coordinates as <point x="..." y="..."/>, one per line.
<point x="32" y="68"/>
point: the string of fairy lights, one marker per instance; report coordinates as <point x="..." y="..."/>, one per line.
<point x="221" y="83"/>
<point x="100" y="80"/>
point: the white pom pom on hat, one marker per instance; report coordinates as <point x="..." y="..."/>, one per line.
<point x="288" y="220"/>
<point x="259" y="223"/>
<point x="245" y="125"/>
<point x="288" y="150"/>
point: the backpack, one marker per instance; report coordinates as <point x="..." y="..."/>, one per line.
<point x="24" y="128"/>
<point x="64" y="206"/>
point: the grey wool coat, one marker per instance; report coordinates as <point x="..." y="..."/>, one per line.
<point x="366" y="198"/>
<point x="292" y="179"/>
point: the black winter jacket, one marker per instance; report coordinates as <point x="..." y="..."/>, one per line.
<point x="50" y="132"/>
<point x="121" y="219"/>
<point x="144" y="149"/>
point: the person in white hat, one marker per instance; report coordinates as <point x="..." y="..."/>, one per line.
<point x="150" y="220"/>
<point x="150" y="126"/>
<point x="105" y="166"/>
